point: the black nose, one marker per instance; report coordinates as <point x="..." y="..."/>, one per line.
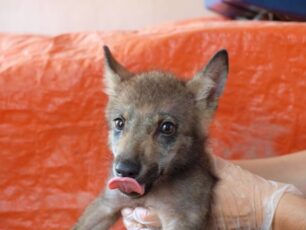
<point x="127" y="169"/>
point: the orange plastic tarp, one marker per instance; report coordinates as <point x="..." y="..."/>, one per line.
<point x="53" y="152"/>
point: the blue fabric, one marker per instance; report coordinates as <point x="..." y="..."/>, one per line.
<point x="291" y="8"/>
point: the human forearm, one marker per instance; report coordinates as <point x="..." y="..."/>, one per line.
<point x="287" y="169"/>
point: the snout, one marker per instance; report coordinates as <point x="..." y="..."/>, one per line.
<point x="132" y="178"/>
<point x="128" y="168"/>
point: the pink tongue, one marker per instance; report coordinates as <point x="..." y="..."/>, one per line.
<point x="126" y="184"/>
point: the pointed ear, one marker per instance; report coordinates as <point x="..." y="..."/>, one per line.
<point x="208" y="84"/>
<point x="114" y="72"/>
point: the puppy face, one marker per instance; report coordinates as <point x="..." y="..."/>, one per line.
<point x="149" y="125"/>
<point x="155" y="121"/>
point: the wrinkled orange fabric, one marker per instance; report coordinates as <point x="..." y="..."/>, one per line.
<point x="53" y="147"/>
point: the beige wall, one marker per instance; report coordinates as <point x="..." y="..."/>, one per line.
<point x="59" y="16"/>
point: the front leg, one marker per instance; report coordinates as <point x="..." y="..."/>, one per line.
<point x="101" y="214"/>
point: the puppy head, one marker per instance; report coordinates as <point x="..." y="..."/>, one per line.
<point x="156" y="121"/>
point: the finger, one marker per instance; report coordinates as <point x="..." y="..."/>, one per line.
<point x="132" y="225"/>
<point x="146" y="217"/>
<point x="126" y="212"/>
<point x="128" y="220"/>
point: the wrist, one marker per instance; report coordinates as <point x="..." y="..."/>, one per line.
<point x="290" y="213"/>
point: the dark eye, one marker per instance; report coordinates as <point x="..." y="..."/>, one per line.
<point x="167" y="128"/>
<point x="119" y="123"/>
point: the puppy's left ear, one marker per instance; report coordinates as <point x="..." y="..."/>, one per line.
<point x="208" y="84"/>
<point x="114" y="72"/>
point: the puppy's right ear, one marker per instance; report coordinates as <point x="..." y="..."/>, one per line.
<point x="114" y="72"/>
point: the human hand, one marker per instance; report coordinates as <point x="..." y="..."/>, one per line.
<point x="242" y="201"/>
<point x="140" y="219"/>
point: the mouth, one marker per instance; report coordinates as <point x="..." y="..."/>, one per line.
<point x="132" y="187"/>
<point x="138" y="186"/>
<point x="127" y="185"/>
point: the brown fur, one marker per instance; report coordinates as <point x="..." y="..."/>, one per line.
<point x="176" y="169"/>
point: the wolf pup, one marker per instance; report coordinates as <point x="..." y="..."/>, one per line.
<point x="158" y="142"/>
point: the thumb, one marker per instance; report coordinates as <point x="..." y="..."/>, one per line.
<point x="146" y="217"/>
